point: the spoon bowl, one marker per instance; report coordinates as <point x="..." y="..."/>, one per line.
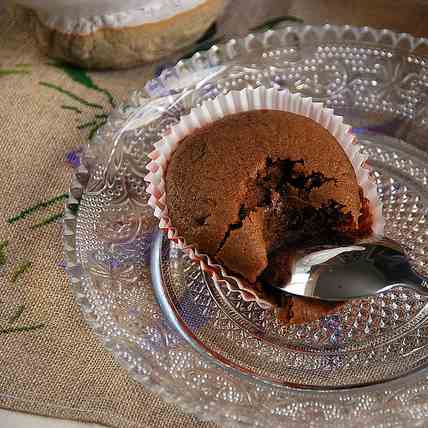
<point x="365" y="268"/>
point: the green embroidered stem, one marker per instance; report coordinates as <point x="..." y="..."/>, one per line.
<point x="47" y="220"/>
<point x="74" y="208"/>
<point x="108" y="94"/>
<point x="94" y="123"/>
<point x="65" y="107"/>
<point x="21" y="328"/>
<point x="95" y="129"/>
<point x="20" y="270"/>
<point x="81" y="76"/>
<point x="15" y="317"/>
<point x="87" y="124"/>
<point x="9" y="71"/>
<point x="272" y="22"/>
<point x="70" y="94"/>
<point x="25" y="213"/>
<point x="3" y="256"/>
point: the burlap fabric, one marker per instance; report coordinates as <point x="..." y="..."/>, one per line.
<point x="61" y="369"/>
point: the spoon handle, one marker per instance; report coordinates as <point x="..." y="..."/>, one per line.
<point x="417" y="282"/>
<point x="398" y="271"/>
<point x="393" y="265"/>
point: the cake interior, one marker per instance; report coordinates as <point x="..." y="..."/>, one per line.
<point x="293" y="218"/>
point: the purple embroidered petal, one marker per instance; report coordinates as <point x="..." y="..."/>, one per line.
<point x="61" y="264"/>
<point x="114" y="263"/>
<point x="156" y="88"/>
<point x="73" y="158"/>
<point x="386" y="128"/>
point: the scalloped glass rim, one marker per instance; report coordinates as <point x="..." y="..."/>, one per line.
<point x="200" y="60"/>
<point x="292" y="34"/>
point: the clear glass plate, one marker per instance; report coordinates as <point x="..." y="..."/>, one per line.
<point x="201" y="346"/>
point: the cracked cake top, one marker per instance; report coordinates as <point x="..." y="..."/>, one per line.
<point x="221" y="190"/>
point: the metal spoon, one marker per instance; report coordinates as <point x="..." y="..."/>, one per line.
<point x="363" y="269"/>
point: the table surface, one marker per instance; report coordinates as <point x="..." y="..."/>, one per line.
<point x="357" y="12"/>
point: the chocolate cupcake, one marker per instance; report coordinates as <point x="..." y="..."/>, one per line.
<point x="250" y="188"/>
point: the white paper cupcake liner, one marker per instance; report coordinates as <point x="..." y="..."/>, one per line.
<point x="240" y="101"/>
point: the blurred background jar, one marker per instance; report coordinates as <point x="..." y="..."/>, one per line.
<point x="100" y="34"/>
